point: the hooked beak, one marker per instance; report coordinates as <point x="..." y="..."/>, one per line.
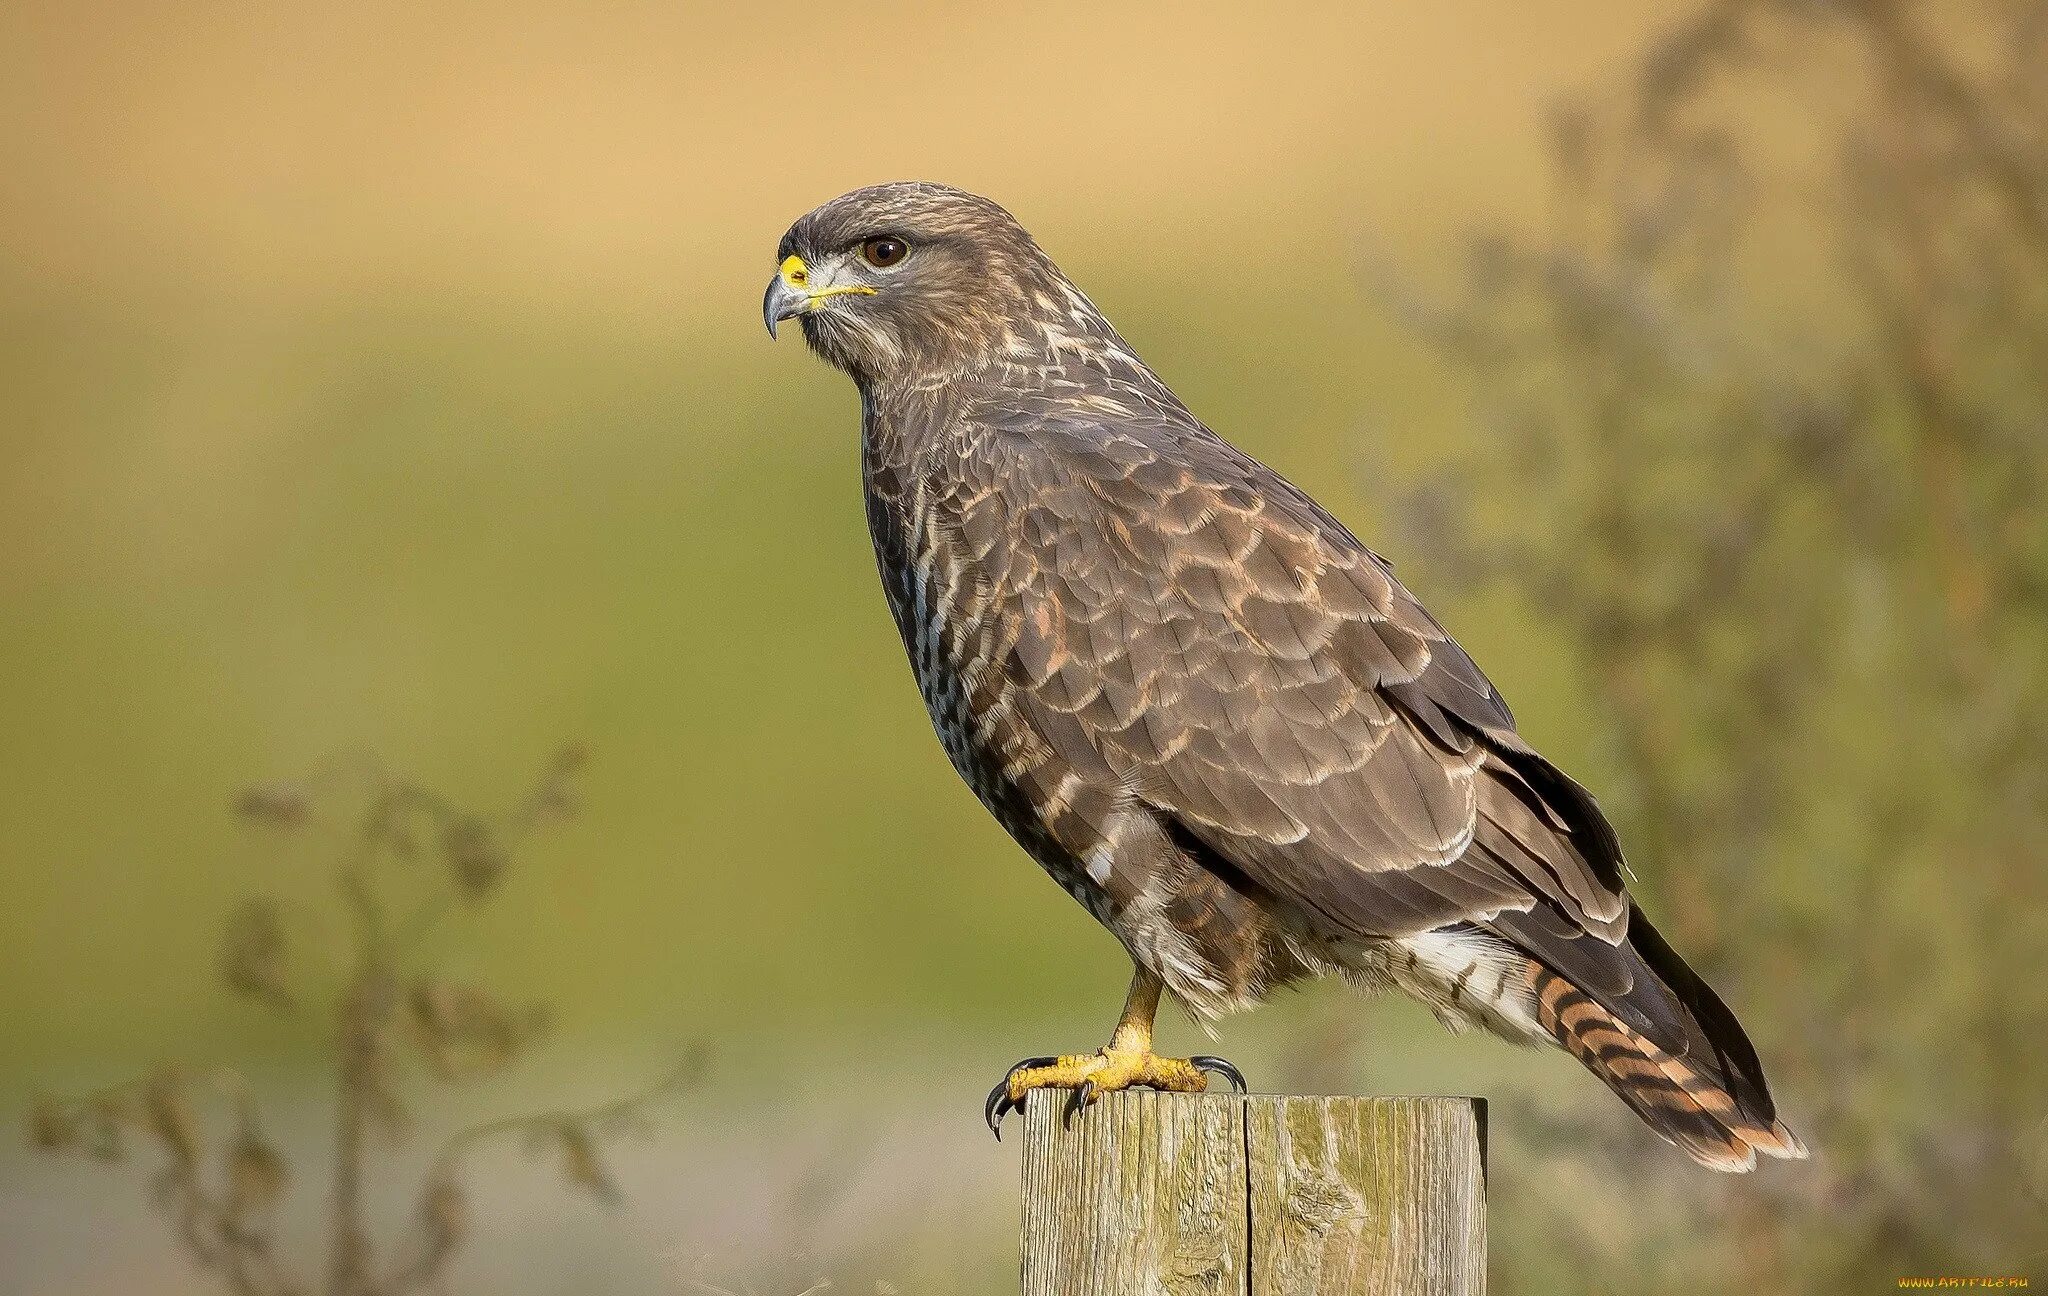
<point x="784" y="299"/>
<point x="793" y="291"/>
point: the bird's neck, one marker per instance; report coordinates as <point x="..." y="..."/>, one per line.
<point x="901" y="419"/>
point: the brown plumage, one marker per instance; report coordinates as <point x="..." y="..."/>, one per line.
<point x="1207" y="709"/>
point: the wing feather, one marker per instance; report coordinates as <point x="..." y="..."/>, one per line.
<point x="1235" y="657"/>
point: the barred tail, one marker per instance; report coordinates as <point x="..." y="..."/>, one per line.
<point x="1720" y="1120"/>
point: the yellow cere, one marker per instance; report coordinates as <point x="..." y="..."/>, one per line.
<point x="798" y="275"/>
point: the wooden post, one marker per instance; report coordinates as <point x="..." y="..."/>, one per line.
<point x="1151" y="1194"/>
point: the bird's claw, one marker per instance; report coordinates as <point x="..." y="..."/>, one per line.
<point x="1088" y="1076"/>
<point x="1077" y="1102"/>
<point x="1222" y="1067"/>
<point x="1000" y="1103"/>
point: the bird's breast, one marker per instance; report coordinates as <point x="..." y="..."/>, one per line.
<point x="953" y="622"/>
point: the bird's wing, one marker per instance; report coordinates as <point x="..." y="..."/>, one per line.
<point x="1184" y="616"/>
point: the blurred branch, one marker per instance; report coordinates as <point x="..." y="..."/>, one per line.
<point x="1914" y="61"/>
<point x="225" y="1229"/>
<point x="223" y="1218"/>
<point x="439" y="1215"/>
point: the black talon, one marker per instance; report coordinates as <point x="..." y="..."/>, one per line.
<point x="1078" y="1102"/>
<point x="999" y="1104"/>
<point x="1222" y="1068"/>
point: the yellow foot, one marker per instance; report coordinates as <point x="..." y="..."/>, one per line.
<point x="1090" y="1075"/>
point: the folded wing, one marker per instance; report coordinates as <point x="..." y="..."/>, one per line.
<point x="1251" y="670"/>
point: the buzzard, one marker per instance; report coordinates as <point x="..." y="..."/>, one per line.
<point x="1204" y="707"/>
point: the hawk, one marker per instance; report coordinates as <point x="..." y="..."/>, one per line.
<point x="1204" y="707"/>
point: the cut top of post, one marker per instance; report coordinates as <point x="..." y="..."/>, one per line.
<point x="1150" y="1193"/>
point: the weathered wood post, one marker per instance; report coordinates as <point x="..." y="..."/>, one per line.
<point x="1151" y="1194"/>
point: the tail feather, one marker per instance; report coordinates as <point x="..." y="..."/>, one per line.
<point x="1721" y="1121"/>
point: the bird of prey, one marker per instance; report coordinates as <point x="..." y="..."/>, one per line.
<point x="1204" y="707"/>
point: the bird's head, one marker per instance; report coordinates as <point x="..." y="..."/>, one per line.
<point x="909" y="280"/>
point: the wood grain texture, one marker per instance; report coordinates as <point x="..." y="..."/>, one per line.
<point x="1351" y="1196"/>
<point x="1143" y="1192"/>
<point x="1150" y="1194"/>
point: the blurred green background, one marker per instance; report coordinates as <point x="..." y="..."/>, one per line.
<point x="389" y="379"/>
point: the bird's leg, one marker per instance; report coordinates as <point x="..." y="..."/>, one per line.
<point x="1125" y="1061"/>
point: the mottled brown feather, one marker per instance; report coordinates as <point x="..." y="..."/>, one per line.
<point x="1203" y="705"/>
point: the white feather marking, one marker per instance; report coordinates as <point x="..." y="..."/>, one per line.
<point x="1468" y="978"/>
<point x="1100" y="860"/>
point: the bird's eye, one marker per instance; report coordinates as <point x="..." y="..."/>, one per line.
<point x="882" y="253"/>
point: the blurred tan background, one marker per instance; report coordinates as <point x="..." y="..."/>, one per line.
<point x="389" y="379"/>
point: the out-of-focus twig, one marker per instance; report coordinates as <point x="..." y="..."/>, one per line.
<point x="411" y="859"/>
